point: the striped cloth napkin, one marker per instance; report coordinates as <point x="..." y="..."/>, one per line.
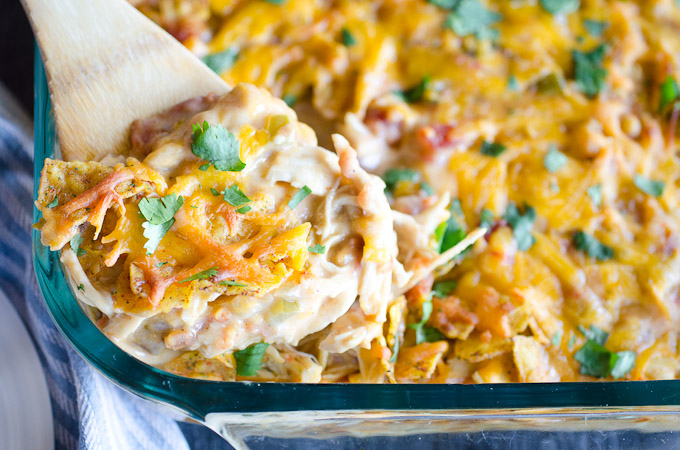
<point x="89" y="411"/>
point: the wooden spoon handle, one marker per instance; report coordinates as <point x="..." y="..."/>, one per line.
<point x="107" y="64"/>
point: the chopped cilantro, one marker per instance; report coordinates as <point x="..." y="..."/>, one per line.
<point x="556" y="339"/>
<point x="235" y="196"/>
<point x="276" y="2"/>
<point x="318" y="248"/>
<point x="597" y="361"/>
<point x="426" y="188"/>
<point x="221" y="61"/>
<point x="595" y="28"/>
<point x="204" y="167"/>
<point x="76" y="241"/>
<point x="249" y="360"/>
<point x="560" y="6"/>
<point x="214" y="192"/>
<point x="161" y="264"/>
<point x="216" y="144"/>
<point x="231" y="283"/>
<point x="418" y="327"/>
<point x="290" y="99"/>
<point x="446" y="4"/>
<point x="81" y="287"/>
<point x="431" y="334"/>
<point x="469" y="17"/>
<point x="443" y="288"/>
<point x="299" y="196"/>
<point x="650" y="187"/>
<point x="208" y="273"/>
<point x="594" y="333"/>
<point x="521" y="224"/>
<point x="595" y="194"/>
<point x="393" y="176"/>
<point x="348" y="40"/>
<point x="486" y="219"/>
<point x="243" y="209"/>
<point x="588" y="71"/>
<point x="415" y="93"/>
<point x="669" y="93"/>
<point x="571" y="342"/>
<point x="159" y="214"/>
<point x="451" y="232"/>
<point x="594" y="248"/>
<point x="550" y="84"/>
<point x="513" y="84"/>
<point x="395" y="350"/>
<point x="554" y="159"/>
<point x="54" y="203"/>
<point x="492" y="149"/>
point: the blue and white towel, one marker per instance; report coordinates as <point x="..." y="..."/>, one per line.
<point x="89" y="411"/>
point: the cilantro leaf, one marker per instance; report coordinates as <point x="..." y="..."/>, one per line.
<point x="276" y="2"/>
<point x="208" y="273"/>
<point x="159" y="214"/>
<point x="154" y="234"/>
<point x="318" y="248"/>
<point x="588" y="71"/>
<point x="231" y="283"/>
<point x="157" y="211"/>
<point x="243" y="209"/>
<point x="554" y="159"/>
<point x="594" y="248"/>
<point x="521" y="224"/>
<point x="624" y="363"/>
<point x="595" y="194"/>
<point x="221" y="61"/>
<point x="513" y="84"/>
<point x="249" y="360"/>
<point x="348" y="40"/>
<point x="595" y="28"/>
<point x="418" y="327"/>
<point x="76" y="241"/>
<point x="594" y="333"/>
<point x="235" y="196"/>
<point x="550" y="84"/>
<point x="669" y="94"/>
<point x="556" y="339"/>
<point x="471" y="17"/>
<point x="446" y="4"/>
<point x="394" y="176"/>
<point x="443" y="288"/>
<point x="492" y="149"/>
<point x="81" y="287"/>
<point x="54" y="203"/>
<point x="216" y="144"/>
<point x="415" y="93"/>
<point x="594" y="359"/>
<point x="299" y="196"/>
<point x="431" y="334"/>
<point x="650" y="187"/>
<point x="451" y="232"/>
<point x="161" y="264"/>
<point x="560" y="6"/>
<point x="571" y="342"/>
<point x="204" y="167"/>
<point x="486" y="219"/>
<point x="214" y="192"/>
<point x="290" y="99"/>
<point x="395" y="350"/>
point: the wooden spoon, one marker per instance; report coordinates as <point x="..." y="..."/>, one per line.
<point x="107" y="65"/>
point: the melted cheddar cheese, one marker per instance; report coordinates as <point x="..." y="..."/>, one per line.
<point x="550" y="129"/>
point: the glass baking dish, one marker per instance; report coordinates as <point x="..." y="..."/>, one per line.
<point x="244" y="412"/>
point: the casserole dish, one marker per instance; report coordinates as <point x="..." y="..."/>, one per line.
<point x="243" y="411"/>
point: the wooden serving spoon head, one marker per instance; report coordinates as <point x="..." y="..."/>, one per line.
<point x="107" y="65"/>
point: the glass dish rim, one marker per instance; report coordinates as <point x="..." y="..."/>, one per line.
<point x="197" y="398"/>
